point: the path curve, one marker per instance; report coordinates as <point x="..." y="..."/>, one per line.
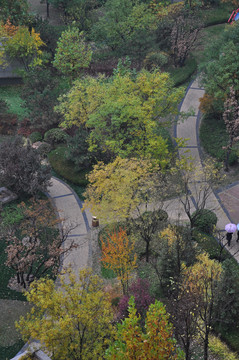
<point x="69" y="207"/>
<point x="189" y="129"/>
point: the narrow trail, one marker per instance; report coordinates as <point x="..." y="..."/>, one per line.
<point x="189" y="129"/>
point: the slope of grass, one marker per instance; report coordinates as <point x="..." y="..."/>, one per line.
<point x="11" y="94"/>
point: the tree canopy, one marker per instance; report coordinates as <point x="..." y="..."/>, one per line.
<point x="72" y="53"/>
<point x="123" y="113"/>
<point x="21" y="169"/>
<point x="156" y="342"/>
<point x="72" y="321"/>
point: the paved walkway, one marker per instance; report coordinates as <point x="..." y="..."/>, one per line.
<point x="69" y="208"/>
<point x="224" y="203"/>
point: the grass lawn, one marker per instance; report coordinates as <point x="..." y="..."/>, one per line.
<point x="217" y="15"/>
<point x="11" y="93"/>
<point x="65" y="169"/>
<point x="212" y="33"/>
<point x="10" y="339"/>
<point x="213" y="137"/>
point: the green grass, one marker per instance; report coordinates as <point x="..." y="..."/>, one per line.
<point x="65" y="169"/>
<point x="212" y="33"/>
<point x="9" y="352"/>
<point x="217" y="15"/>
<point x="11" y="93"/>
<point x="182" y="75"/>
<point x="5" y="275"/>
<point x="213" y="137"/>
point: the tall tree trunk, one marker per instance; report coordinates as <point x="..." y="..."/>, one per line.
<point x="205" y="345"/>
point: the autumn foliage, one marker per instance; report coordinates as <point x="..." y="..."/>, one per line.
<point x="72" y="321"/>
<point x="118" y="255"/>
<point x="155" y="343"/>
<point x="35" y="244"/>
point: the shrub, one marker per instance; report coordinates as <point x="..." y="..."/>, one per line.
<point x="35" y="136"/>
<point x="183" y="74"/>
<point x="66" y="168"/>
<point x="204" y="220"/>
<point x="221" y="350"/>
<point x="55" y="136"/>
<point x="140" y="290"/>
<point x="44" y="149"/>
<point x="156" y="59"/>
<point x="3" y="106"/>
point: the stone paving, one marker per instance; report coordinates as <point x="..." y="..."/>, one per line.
<point x="224" y="203"/>
<point x="69" y="208"/>
<point x="229" y="198"/>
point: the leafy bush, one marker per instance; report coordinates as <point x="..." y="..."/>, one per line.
<point x="35" y="136"/>
<point x="183" y="74"/>
<point x="66" y="168"/>
<point x="55" y="136"/>
<point x="204" y="220"/>
<point x="44" y="149"/>
<point x="155" y="59"/>
<point x="140" y="290"/>
<point x="221" y="350"/>
<point x="3" y="106"/>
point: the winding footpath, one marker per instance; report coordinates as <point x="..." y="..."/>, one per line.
<point x="224" y="203"/>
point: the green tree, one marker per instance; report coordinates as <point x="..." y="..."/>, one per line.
<point x="40" y="92"/>
<point x="73" y="321"/>
<point x="156" y="342"/>
<point x="127" y="27"/>
<point x="124" y="113"/>
<point x="78" y="11"/>
<point x="14" y="10"/>
<point x="72" y="53"/>
<point x="202" y="280"/>
<point x="221" y="69"/>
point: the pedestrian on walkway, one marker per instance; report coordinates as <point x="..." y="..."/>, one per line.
<point x="229" y="237"/>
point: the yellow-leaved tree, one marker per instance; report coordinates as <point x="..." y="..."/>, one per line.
<point x="116" y="189"/>
<point x="72" y="321"/>
<point x="123" y="113"/>
<point x="25" y="46"/>
<point x="201" y="282"/>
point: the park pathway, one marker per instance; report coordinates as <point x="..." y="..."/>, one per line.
<point x="69" y="208"/>
<point x="221" y="202"/>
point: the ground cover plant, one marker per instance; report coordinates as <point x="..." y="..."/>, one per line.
<point x="11" y="94"/>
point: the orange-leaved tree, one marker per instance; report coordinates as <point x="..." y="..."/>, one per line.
<point x="118" y="255"/>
